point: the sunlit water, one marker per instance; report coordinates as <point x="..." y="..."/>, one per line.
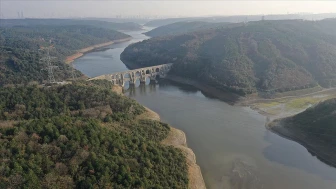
<point x="229" y="141"/>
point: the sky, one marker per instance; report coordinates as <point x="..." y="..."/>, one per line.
<point x="112" y="8"/>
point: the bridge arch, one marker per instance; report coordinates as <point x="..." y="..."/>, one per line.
<point x="137" y="73"/>
<point x="131" y="76"/>
<point x="117" y="76"/>
<point x="126" y="75"/>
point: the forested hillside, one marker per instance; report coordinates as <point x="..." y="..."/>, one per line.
<point x="240" y="18"/>
<point x="22" y="66"/>
<point x="66" y="39"/>
<point x="315" y="128"/>
<point x="82" y="135"/>
<point x="183" y="27"/>
<point x="268" y="56"/>
<point x="19" y="57"/>
<point x="65" y="22"/>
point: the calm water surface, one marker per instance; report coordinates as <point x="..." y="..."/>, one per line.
<point x="230" y="142"/>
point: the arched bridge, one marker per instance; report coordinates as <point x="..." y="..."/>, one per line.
<point x="119" y="78"/>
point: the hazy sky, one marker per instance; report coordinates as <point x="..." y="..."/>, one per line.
<point x="110" y="8"/>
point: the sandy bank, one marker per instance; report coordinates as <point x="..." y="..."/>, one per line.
<point x="288" y="104"/>
<point x="81" y="52"/>
<point x="176" y="138"/>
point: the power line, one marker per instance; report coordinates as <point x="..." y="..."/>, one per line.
<point x="47" y="59"/>
<point x="73" y="74"/>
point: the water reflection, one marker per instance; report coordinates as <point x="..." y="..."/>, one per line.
<point x="142" y="88"/>
<point x="232" y="146"/>
<point x="183" y="88"/>
<point x="296" y="156"/>
<point x="231" y="143"/>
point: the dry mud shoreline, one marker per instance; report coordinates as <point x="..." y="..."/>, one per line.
<point x="81" y="52"/>
<point x="177" y="138"/>
<point x="277" y="108"/>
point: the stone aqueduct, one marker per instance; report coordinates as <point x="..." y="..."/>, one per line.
<point x="119" y="78"/>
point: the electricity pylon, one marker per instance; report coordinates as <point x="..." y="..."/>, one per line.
<point x="47" y="59"/>
<point x="73" y="71"/>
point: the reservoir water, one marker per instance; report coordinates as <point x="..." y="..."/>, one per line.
<point x="231" y="143"/>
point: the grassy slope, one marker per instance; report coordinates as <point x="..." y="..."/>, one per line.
<point x="315" y="128"/>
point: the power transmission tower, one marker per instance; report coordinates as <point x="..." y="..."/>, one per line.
<point x="73" y="72"/>
<point x="47" y="59"/>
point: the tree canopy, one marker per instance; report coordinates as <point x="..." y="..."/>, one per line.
<point x="82" y="135"/>
<point x="20" y="59"/>
<point x="184" y="27"/>
<point x="314" y="128"/>
<point x="263" y="56"/>
<point x="66" y="22"/>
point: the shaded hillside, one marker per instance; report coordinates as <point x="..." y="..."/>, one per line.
<point x="83" y="136"/>
<point x="183" y="27"/>
<point x="19" y="57"/>
<point x="65" y="22"/>
<point x="314" y="128"/>
<point x="268" y="56"/>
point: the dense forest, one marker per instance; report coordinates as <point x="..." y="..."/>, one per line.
<point x="78" y="135"/>
<point x="315" y="128"/>
<point x="65" y="22"/>
<point x="20" y="58"/>
<point x="66" y="39"/>
<point x="267" y="56"/>
<point x="82" y="135"/>
<point x="183" y="27"/>
<point x="23" y="66"/>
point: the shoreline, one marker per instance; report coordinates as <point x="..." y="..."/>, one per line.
<point x="277" y="128"/>
<point x="208" y="91"/>
<point x="176" y="138"/>
<point x="69" y="59"/>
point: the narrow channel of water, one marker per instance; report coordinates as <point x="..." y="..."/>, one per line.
<point x="230" y="142"/>
<point x="108" y="61"/>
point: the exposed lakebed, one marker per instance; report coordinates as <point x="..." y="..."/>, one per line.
<point x="231" y="143"/>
